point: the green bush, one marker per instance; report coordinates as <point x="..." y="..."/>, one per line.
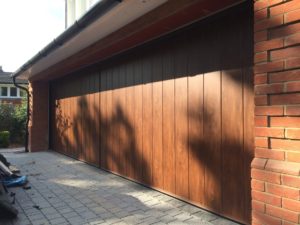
<point x="6" y="116"/>
<point x="19" y="123"/>
<point x="13" y="119"/>
<point x="4" y="139"/>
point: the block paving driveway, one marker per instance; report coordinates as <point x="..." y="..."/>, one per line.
<point x="66" y="191"/>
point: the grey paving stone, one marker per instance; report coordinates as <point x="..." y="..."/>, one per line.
<point x="65" y="210"/>
<point x="53" y="216"/>
<point x="70" y="215"/>
<point x="222" y="221"/>
<point x="96" y="222"/>
<point x="207" y="216"/>
<point x="40" y="222"/>
<point x="58" y="221"/>
<point x="88" y="215"/>
<point x="71" y="192"/>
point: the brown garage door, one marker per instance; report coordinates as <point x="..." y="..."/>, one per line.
<point x="175" y="114"/>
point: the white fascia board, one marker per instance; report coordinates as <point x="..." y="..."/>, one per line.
<point x="121" y="15"/>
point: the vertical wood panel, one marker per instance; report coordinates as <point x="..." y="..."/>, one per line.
<point x="123" y="121"/>
<point x="196" y="151"/>
<point x="88" y="115"/>
<point x="168" y="122"/>
<point x="72" y="114"/>
<point x="98" y="118"/>
<point x="181" y="121"/>
<point x="56" y="113"/>
<point x="90" y="118"/>
<point x="157" y="168"/>
<point x="248" y="153"/>
<point x="110" y="151"/>
<point x="196" y="121"/>
<point x="147" y="121"/>
<point x="95" y="120"/>
<point x="60" y="126"/>
<point x="130" y="106"/>
<point x="232" y="143"/>
<point x="115" y="119"/>
<point x="64" y="116"/>
<point x="78" y="118"/>
<point x="103" y="118"/>
<point x="212" y="140"/>
<point x="68" y="130"/>
<point x="81" y="117"/>
<point x="87" y="129"/>
<point x="138" y="119"/>
<point x="248" y="84"/>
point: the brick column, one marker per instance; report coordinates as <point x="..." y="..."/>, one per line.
<point x="276" y="166"/>
<point x="38" y="124"/>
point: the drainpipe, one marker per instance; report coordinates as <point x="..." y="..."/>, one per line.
<point x="27" y="112"/>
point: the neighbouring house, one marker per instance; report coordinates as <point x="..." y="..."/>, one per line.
<point x="9" y="93"/>
<point x="199" y="99"/>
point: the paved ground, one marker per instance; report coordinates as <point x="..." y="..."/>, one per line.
<point x="66" y="191"/>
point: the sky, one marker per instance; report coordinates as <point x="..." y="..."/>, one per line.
<point x="26" y="26"/>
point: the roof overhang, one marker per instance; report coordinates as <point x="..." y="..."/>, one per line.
<point x="128" y="24"/>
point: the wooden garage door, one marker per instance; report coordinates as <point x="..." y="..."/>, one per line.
<point x="175" y="114"/>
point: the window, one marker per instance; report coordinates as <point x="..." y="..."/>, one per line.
<point x="13" y="92"/>
<point x="10" y="91"/>
<point x="4" y="91"/>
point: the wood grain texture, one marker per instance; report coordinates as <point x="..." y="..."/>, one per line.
<point x="176" y="115"/>
<point x="212" y="140"/>
<point x="130" y="122"/>
<point x="147" y="121"/>
<point x="138" y="119"/>
<point x="115" y="134"/>
<point x="232" y="143"/>
<point x="95" y="120"/>
<point x="168" y="121"/>
<point x="103" y="119"/>
<point x="110" y="151"/>
<point x="181" y="120"/>
<point x="157" y="163"/>
<point x="195" y="135"/>
<point x="248" y="124"/>
<point x="122" y="114"/>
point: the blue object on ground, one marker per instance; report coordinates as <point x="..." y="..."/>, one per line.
<point x="14" y="182"/>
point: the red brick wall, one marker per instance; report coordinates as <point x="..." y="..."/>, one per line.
<point x="38" y="124"/>
<point x="11" y="101"/>
<point x="276" y="166"/>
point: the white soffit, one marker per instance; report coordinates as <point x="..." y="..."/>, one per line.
<point x="121" y="15"/>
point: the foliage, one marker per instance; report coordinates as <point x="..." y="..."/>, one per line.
<point x="4" y="139"/>
<point x="6" y="116"/>
<point x="13" y="119"/>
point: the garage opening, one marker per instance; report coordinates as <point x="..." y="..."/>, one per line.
<point x="175" y="114"/>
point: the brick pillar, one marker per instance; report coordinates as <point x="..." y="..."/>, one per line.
<point x="276" y="166"/>
<point x="38" y="124"/>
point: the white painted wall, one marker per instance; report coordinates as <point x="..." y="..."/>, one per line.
<point x="76" y="8"/>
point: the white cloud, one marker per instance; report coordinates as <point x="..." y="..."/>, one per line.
<point x="26" y="26"/>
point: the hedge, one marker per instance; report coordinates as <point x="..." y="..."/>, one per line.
<point x="13" y="119"/>
<point x="4" y="139"/>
